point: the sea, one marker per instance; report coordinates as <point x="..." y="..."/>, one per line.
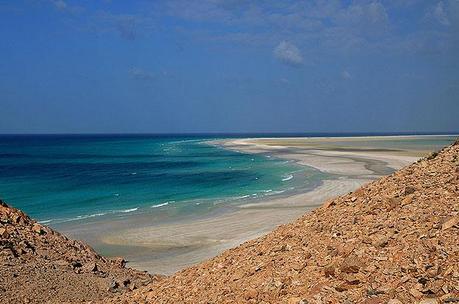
<point x="66" y="178"/>
<point x="60" y="179"/>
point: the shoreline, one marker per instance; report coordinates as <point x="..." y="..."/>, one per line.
<point x="358" y="162"/>
<point x="182" y="244"/>
<point x="168" y="247"/>
<point x="371" y="245"/>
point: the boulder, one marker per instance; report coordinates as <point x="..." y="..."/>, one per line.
<point x="351" y="264"/>
<point x="409" y="190"/>
<point x="90" y="267"/>
<point x="250" y="293"/>
<point x="113" y="286"/>
<point x="120" y="262"/>
<point x="3" y="233"/>
<point x="329" y="271"/>
<point x="37" y="228"/>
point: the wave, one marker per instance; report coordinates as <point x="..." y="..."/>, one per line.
<point x="243" y="196"/>
<point x="45" y="221"/>
<point x="126" y="210"/>
<point x="82" y="217"/>
<point x="86" y="216"/>
<point x="278" y="192"/>
<point x="161" y="205"/>
<point x="287" y="178"/>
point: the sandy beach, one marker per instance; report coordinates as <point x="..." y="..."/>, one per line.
<point x="168" y="247"/>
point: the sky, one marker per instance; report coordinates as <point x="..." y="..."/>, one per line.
<point x="185" y="66"/>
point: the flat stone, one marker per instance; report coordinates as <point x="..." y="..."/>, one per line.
<point x="416" y="293"/>
<point x="454" y="221"/>
<point x="429" y="301"/>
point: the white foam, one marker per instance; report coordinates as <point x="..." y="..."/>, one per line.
<point x="278" y="192"/>
<point x="244" y="196"/>
<point x="128" y="210"/>
<point x="287" y="178"/>
<point x="82" y="217"/>
<point x="160" y="205"/>
<point x="94" y="215"/>
<point x="45" y="221"/>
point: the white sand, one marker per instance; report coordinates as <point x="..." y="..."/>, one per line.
<point x="168" y="247"/>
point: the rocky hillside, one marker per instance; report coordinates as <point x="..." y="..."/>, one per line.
<point x="395" y="240"/>
<point x="39" y="265"/>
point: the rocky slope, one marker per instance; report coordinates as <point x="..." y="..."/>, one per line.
<point x="395" y="240"/>
<point x="39" y="265"/>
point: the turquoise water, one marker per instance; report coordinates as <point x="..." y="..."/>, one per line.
<point x="58" y="179"/>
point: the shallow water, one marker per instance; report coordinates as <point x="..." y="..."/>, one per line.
<point x="61" y="179"/>
<point x="58" y="179"/>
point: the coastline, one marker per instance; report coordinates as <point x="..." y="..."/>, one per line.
<point x="168" y="247"/>
<point x="370" y="246"/>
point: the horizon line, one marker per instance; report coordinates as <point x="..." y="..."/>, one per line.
<point x="287" y="134"/>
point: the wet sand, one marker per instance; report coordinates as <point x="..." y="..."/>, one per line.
<point x="168" y="247"/>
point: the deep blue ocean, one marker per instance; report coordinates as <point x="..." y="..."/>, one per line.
<point x="63" y="178"/>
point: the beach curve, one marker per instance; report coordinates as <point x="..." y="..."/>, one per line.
<point x="168" y="247"/>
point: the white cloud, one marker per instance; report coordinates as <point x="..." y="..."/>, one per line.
<point x="376" y="12"/>
<point x="140" y="74"/>
<point x="60" y="4"/>
<point x="63" y="6"/>
<point x="346" y="75"/>
<point x="440" y="14"/>
<point x="373" y="13"/>
<point x="288" y="54"/>
<point x="315" y="25"/>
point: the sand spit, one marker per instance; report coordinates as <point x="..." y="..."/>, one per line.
<point x="394" y="240"/>
<point x="335" y="159"/>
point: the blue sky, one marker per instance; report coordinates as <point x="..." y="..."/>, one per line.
<point x="228" y="66"/>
